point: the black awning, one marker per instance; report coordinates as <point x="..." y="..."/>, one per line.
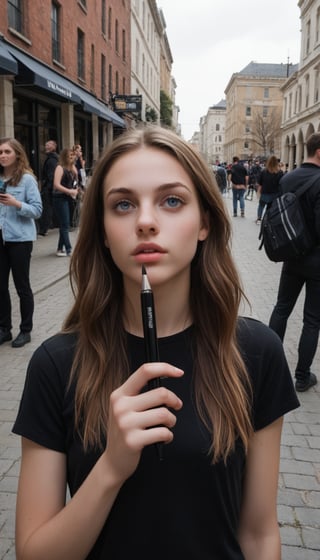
<point x="8" y="65"/>
<point x="93" y="105"/>
<point x="33" y="73"/>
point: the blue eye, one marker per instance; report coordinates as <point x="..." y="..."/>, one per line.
<point x="123" y="205"/>
<point x="173" y="201"/>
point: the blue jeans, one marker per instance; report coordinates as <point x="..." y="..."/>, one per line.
<point x="62" y="210"/>
<point x="294" y="275"/>
<point x="264" y="200"/>
<point x="238" y="194"/>
<point x="15" y="257"/>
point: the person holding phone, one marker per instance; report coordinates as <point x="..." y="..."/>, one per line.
<point x="20" y="206"/>
<point x="153" y="207"/>
<point x="65" y="190"/>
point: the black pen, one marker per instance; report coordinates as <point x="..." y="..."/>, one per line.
<point x="150" y="334"/>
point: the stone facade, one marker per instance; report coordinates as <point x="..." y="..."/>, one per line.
<point x="212" y="133"/>
<point x="253" y="115"/>
<point x="301" y="93"/>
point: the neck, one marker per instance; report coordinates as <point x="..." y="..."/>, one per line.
<point x="172" y="309"/>
<point x="8" y="172"/>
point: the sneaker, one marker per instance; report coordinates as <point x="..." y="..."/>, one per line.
<point x="21" y="340"/>
<point x="61" y="254"/>
<point x="234" y="215"/>
<point x="5" y="336"/>
<point x="69" y="253"/>
<point x="258" y="222"/>
<point x="302" y="385"/>
<point x="242" y="214"/>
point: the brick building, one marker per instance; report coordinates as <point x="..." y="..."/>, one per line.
<point x="60" y="63"/>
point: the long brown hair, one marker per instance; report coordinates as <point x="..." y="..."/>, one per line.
<point x="222" y="388"/>
<point x="273" y="165"/>
<point x="22" y="164"/>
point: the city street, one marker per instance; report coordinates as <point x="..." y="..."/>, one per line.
<point x="299" y="481"/>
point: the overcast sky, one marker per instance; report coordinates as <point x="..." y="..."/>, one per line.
<point x="212" y="39"/>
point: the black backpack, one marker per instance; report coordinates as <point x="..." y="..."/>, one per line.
<point x="284" y="233"/>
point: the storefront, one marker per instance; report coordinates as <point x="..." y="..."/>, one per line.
<point x="37" y="104"/>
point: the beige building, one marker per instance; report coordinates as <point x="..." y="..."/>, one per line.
<point x="301" y="116"/>
<point x="146" y="32"/>
<point x="254" y="106"/>
<point x="212" y="133"/>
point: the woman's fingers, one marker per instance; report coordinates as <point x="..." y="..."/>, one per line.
<point x="147" y="372"/>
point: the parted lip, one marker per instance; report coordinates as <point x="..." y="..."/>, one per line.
<point x="148" y="248"/>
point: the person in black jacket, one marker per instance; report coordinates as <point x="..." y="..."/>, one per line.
<point x="303" y="271"/>
<point x="49" y="166"/>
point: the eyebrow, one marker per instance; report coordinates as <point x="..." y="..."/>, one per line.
<point x="161" y="188"/>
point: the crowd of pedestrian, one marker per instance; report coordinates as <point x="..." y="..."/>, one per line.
<point x="153" y="204"/>
<point x="28" y="208"/>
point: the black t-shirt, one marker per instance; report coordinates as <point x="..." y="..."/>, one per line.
<point x="238" y="174"/>
<point x="183" y="506"/>
<point x="270" y="182"/>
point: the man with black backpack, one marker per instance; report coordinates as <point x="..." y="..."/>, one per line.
<point x="303" y="270"/>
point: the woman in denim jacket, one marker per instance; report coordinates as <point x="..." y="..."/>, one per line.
<point x="20" y="206"/>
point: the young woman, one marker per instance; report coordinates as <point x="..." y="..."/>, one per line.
<point x="65" y="190"/>
<point x="20" y="206"/>
<point x="87" y="417"/>
<point x="268" y="184"/>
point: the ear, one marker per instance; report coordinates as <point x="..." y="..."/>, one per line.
<point x="204" y="229"/>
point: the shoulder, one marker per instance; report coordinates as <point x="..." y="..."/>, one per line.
<point x="58" y="347"/>
<point x="271" y="380"/>
<point x="252" y="331"/>
<point x="51" y="363"/>
<point x="28" y="179"/>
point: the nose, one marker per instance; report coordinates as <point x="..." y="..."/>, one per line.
<point x="147" y="222"/>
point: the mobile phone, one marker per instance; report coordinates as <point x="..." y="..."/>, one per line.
<point x="3" y="186"/>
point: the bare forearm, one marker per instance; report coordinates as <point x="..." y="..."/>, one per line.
<point x="263" y="548"/>
<point x="72" y="532"/>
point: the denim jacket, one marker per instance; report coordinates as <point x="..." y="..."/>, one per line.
<point x="18" y="224"/>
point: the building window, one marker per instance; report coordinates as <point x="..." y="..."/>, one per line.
<point x="103" y="17"/>
<point x="83" y="3"/>
<point x="15" y="15"/>
<point x="80" y="53"/>
<point x="264" y="112"/>
<point x="117" y="36"/>
<point x="316" y="86"/>
<point x="217" y="127"/>
<point x="109" y="24"/>
<point x="123" y="85"/>
<point x="137" y="57"/>
<point x="247" y="129"/>
<point x="103" y="78"/>
<point x="110" y="78"/>
<point x="124" y="45"/>
<point x="246" y="145"/>
<point x="55" y="31"/>
<point x="318" y="26"/>
<point x="117" y="82"/>
<point x="307" y="90"/>
<point x="92" y="69"/>
<point x="266" y="92"/>
<point x="248" y="111"/>
<point x="308" y="37"/>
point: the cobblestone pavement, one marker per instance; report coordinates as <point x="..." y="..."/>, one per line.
<point x="299" y="481"/>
